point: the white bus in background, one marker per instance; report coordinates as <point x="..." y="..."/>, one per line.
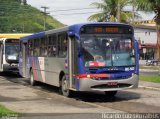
<point x="9" y="49"/>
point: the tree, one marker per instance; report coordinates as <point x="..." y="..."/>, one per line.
<point x="150" y="6"/>
<point x="24" y="2"/>
<point x="109" y="10"/>
<point x="10" y="1"/>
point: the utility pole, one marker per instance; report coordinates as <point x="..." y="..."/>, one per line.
<point x="118" y="12"/>
<point x="133" y="11"/>
<point x="45" y="15"/>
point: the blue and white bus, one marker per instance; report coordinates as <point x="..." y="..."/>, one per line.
<point x="82" y="57"/>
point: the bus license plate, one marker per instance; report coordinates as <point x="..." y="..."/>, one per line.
<point x="112" y="83"/>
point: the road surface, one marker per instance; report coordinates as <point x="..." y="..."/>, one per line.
<point x="44" y="100"/>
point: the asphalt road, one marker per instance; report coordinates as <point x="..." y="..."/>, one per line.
<point x="44" y="101"/>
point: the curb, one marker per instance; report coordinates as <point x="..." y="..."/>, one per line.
<point x="149" y="70"/>
<point x="152" y="88"/>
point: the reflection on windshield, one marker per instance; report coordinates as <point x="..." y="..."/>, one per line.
<point x="106" y="51"/>
<point x="12" y="49"/>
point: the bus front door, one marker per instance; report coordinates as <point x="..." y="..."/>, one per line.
<point x="73" y="58"/>
<point x="24" y="59"/>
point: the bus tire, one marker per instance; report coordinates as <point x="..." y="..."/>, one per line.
<point x="64" y="88"/>
<point x="32" y="81"/>
<point x="110" y="93"/>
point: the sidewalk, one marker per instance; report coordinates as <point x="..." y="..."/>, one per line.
<point x="146" y="84"/>
<point x="28" y="100"/>
<point x="149" y="85"/>
<point x="150" y="68"/>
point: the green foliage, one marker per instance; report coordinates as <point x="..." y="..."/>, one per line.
<point x="150" y="6"/>
<point x="109" y="10"/>
<point x="155" y="79"/>
<point x="17" y="18"/>
<point x="11" y="1"/>
<point x="4" y="112"/>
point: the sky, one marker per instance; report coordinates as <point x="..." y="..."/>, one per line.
<point x="73" y="11"/>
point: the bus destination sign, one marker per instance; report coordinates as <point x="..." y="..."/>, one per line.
<point x="106" y="29"/>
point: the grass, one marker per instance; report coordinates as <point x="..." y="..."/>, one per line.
<point x="155" y="79"/>
<point x="4" y="112"/>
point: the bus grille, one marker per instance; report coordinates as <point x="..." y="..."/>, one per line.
<point x="104" y="86"/>
<point x="113" y="78"/>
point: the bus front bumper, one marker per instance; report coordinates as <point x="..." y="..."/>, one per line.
<point x="88" y="84"/>
<point x="10" y="68"/>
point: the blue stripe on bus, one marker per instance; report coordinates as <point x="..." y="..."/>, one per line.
<point x="81" y="66"/>
<point x="137" y="57"/>
<point x="124" y="74"/>
<point x="33" y="36"/>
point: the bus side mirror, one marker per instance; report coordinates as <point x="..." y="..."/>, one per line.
<point x="71" y="34"/>
<point x="76" y="37"/>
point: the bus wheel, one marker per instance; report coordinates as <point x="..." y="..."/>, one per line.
<point x="32" y="81"/>
<point x="65" y="87"/>
<point x="110" y="93"/>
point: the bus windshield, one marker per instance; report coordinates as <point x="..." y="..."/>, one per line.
<point x="103" y="51"/>
<point x="12" y="50"/>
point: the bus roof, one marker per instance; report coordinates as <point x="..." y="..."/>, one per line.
<point x="32" y="36"/>
<point x="75" y="28"/>
<point x="14" y="35"/>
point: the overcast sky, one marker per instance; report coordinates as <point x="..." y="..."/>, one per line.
<point x="65" y="10"/>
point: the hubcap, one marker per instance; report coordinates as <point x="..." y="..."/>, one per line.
<point x="65" y="86"/>
<point x="31" y="79"/>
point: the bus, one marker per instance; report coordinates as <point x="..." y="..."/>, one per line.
<point x="9" y="50"/>
<point x="82" y="57"/>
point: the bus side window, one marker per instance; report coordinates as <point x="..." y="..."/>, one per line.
<point x="62" y="45"/>
<point x="36" y="47"/>
<point x="52" y="49"/>
<point x="30" y="47"/>
<point x="43" y="46"/>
